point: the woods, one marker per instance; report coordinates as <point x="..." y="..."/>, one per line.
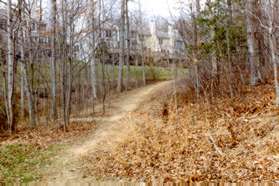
<point x="77" y="66"/>
<point x="53" y="47"/>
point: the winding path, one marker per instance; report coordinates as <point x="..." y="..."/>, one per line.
<point x="111" y="129"/>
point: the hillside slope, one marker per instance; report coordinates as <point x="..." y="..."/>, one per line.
<point x="231" y="139"/>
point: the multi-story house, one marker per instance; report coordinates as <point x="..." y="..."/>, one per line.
<point x="158" y="39"/>
<point x="165" y="40"/>
<point x="39" y="36"/>
<point x="3" y="28"/>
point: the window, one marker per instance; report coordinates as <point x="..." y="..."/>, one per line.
<point x="141" y="37"/>
<point x="33" y="26"/>
<point x="160" y="41"/>
<point x="134" y="45"/>
<point x="178" y="45"/>
<point x="108" y="33"/>
<point x="133" y="34"/>
<point x="3" y="24"/>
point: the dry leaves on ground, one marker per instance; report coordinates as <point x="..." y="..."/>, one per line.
<point x="229" y="140"/>
<point x="43" y="136"/>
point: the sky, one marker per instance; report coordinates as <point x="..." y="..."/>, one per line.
<point x="158" y="7"/>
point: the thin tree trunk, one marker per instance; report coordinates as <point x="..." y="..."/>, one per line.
<point x="128" y="44"/>
<point x="53" y="61"/>
<point x="26" y="81"/>
<point x="251" y="41"/>
<point x="22" y="94"/>
<point x="229" y="65"/>
<point x="275" y="68"/>
<point x="122" y="48"/>
<point x="272" y="47"/>
<point x="136" y="68"/>
<point x="93" y="59"/>
<point x="142" y="46"/>
<point x="69" y="94"/>
<point x="10" y="78"/>
<point x="196" y="13"/>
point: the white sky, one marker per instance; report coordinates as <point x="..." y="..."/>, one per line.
<point x="159" y="7"/>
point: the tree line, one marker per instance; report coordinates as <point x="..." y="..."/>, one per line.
<point x="54" y="59"/>
<point x="229" y="43"/>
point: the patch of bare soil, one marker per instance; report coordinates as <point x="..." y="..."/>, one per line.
<point x="228" y="140"/>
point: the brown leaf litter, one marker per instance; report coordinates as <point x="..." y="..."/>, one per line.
<point x="229" y="140"/>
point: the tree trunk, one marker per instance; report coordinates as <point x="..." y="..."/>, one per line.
<point x="128" y="44"/>
<point x="196" y="13"/>
<point x="272" y="47"/>
<point x="26" y="81"/>
<point x="93" y="59"/>
<point x="251" y="41"/>
<point x="10" y="65"/>
<point x="53" y="61"/>
<point x="122" y="48"/>
<point x="229" y="65"/>
<point x="22" y="94"/>
<point x="142" y="46"/>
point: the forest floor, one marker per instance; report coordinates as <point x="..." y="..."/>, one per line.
<point x="225" y="140"/>
<point x="150" y="134"/>
<point x="111" y="129"/>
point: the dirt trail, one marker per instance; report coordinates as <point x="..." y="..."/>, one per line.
<point x="110" y="130"/>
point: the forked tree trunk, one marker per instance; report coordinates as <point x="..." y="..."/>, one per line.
<point x="25" y="79"/>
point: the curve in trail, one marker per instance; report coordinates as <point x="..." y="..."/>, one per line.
<point x="111" y="130"/>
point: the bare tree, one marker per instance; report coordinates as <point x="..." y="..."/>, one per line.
<point x="53" y="59"/>
<point x="251" y="40"/>
<point x="122" y="48"/>
<point x="271" y="9"/>
<point x="93" y="46"/>
<point x="228" y="41"/>
<point x="142" y="44"/>
<point x="195" y="14"/>
<point x="10" y="66"/>
<point x="128" y="44"/>
<point x="26" y="81"/>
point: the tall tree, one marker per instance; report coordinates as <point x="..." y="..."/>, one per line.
<point x="93" y="47"/>
<point x="122" y="48"/>
<point x="128" y="44"/>
<point x="195" y="13"/>
<point x="249" y="9"/>
<point x="26" y="81"/>
<point x="142" y="44"/>
<point x="228" y="41"/>
<point x="10" y="66"/>
<point x="53" y="59"/>
<point x="271" y="8"/>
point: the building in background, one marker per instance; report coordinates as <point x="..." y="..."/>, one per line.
<point x="157" y="38"/>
